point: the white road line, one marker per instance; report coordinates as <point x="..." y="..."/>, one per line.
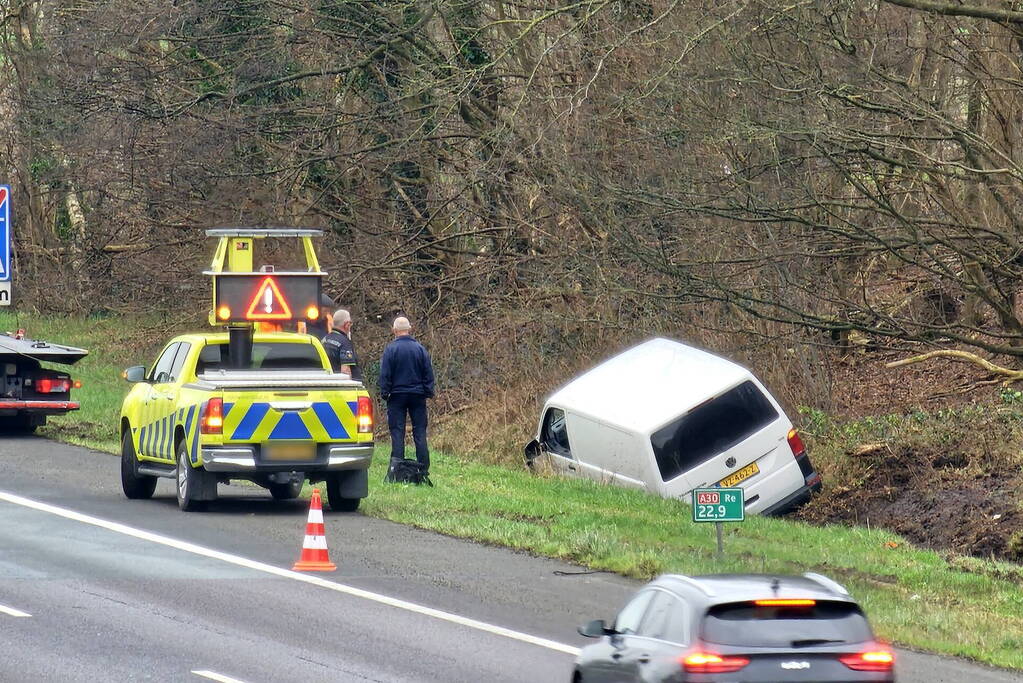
<point x="214" y="676"/>
<point x="11" y="612"/>
<point x="236" y="560"/>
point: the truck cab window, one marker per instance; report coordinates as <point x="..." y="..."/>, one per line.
<point x="161" y="372"/>
<point x="555" y="432"/>
<point x="179" y="361"/>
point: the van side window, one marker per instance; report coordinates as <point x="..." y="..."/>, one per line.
<point x="555" y="432"/>
<point x="711" y="428"/>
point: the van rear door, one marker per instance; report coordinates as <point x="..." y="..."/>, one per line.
<point x="720" y="440"/>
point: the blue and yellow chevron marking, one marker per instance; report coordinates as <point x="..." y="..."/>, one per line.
<point x="156" y="439"/>
<point x="254" y="422"/>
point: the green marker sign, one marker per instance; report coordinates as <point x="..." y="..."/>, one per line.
<point x="718" y="505"/>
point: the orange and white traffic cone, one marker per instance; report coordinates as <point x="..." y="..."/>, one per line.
<point x="314" y="548"/>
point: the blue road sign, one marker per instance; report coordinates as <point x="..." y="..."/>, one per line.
<point x="5" y="233"/>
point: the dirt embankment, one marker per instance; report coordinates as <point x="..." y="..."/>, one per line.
<point x="945" y="501"/>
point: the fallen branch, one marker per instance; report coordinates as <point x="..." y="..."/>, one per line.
<point x="1008" y="374"/>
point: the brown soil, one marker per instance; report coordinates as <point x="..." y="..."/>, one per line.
<point x="961" y="496"/>
<point x="933" y="501"/>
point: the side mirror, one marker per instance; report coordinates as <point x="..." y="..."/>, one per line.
<point x="532" y="450"/>
<point x="135" y="374"/>
<point x="594" y="629"/>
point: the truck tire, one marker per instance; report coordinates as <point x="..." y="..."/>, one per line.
<point x="18" y="424"/>
<point x="188" y="482"/>
<point x="135" y="486"/>
<point x="335" y="499"/>
<point x="287" y="491"/>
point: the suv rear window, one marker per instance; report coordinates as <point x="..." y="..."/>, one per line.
<point x="265" y="356"/>
<point x="710" y="428"/>
<point x="744" y="623"/>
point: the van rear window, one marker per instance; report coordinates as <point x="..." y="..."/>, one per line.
<point x="826" y="622"/>
<point x="711" y="428"/>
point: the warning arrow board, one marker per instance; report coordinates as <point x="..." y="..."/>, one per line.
<point x="258" y="297"/>
<point x="269" y="303"/>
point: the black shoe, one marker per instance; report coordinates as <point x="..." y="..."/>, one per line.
<point x="425" y="479"/>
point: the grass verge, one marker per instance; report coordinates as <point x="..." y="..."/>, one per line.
<point x="916" y="598"/>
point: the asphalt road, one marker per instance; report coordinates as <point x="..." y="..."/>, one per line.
<point x="136" y="590"/>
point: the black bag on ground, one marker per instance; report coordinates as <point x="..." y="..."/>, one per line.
<point x="406" y="472"/>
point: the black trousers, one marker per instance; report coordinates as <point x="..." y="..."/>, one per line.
<point x="413" y="405"/>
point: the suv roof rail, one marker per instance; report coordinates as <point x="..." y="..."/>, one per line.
<point x="830" y="584"/>
<point x="263" y="232"/>
<point x="699" y="585"/>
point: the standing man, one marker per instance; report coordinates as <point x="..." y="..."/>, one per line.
<point x="338" y="345"/>
<point x="406" y="381"/>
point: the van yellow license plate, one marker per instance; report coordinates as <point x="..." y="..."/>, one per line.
<point x="742" y="475"/>
<point x="289" y="452"/>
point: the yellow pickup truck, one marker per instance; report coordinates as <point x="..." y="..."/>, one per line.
<point x="283" y="418"/>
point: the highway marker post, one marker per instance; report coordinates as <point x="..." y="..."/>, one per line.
<point x="719" y="505"/>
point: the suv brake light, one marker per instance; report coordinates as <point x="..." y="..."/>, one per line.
<point x="872" y="660"/>
<point x="365" y="416"/>
<point x="796" y="444"/>
<point x="785" y="602"/>
<point x="709" y="663"/>
<point x="213" y="417"/>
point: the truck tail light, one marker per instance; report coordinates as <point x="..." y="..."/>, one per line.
<point x="213" y="417"/>
<point x="365" y="416"/>
<point x="871" y="660"/>
<point x="709" y="663"/>
<point x="53" y="385"/>
<point x="796" y="444"/>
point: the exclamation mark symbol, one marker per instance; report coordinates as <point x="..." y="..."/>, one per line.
<point x="268" y="300"/>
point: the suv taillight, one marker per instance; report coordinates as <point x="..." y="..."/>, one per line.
<point x="365" y="416"/>
<point x="871" y="660"/>
<point x="709" y="663"/>
<point x="796" y="444"/>
<point x="213" y="417"/>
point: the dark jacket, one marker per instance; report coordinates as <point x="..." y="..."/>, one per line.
<point x="340" y="351"/>
<point x="406" y="369"/>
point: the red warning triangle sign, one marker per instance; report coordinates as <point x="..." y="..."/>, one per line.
<point x="269" y="303"/>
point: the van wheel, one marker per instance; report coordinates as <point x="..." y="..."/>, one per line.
<point x="135" y="486"/>
<point x="188" y="480"/>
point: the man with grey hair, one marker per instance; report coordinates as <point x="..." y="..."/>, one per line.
<point x="406" y="381"/>
<point x="339" y="348"/>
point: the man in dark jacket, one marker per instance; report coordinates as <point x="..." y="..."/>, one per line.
<point x="406" y="381"/>
<point x="338" y="345"/>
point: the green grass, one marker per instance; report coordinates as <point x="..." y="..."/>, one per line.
<point x="916" y="598"/>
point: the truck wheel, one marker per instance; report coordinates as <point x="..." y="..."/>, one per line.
<point x="287" y="491"/>
<point x="135" y="486"/>
<point x="188" y="482"/>
<point x="18" y="424"/>
<point x="337" y="502"/>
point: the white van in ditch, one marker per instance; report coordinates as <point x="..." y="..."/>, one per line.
<point x="669" y="418"/>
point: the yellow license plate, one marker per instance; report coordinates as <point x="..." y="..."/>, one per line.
<point x="289" y="451"/>
<point x="740" y="476"/>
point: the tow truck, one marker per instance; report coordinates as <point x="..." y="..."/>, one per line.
<point x="29" y="392"/>
<point x="248" y="405"/>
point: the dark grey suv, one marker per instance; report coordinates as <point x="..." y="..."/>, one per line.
<point x="737" y="628"/>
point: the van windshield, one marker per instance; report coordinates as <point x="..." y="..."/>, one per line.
<point x="711" y="428"/>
